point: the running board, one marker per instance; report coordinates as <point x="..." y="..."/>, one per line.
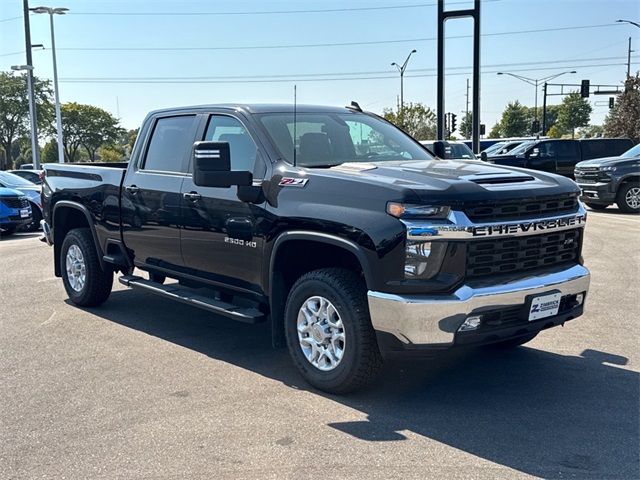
<point x="186" y="295"/>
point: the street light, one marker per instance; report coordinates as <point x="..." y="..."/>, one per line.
<point x="401" y="69"/>
<point x="629" y="21"/>
<point x="52" y="12"/>
<point x="535" y="82"/>
<point x="32" y="113"/>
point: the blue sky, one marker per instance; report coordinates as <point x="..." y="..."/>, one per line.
<point x="332" y="75"/>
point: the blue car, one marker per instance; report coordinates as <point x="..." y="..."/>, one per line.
<point x="31" y="191"/>
<point x="15" y="210"/>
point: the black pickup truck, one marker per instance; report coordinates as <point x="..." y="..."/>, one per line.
<point x="330" y="223"/>
<point x="560" y="156"/>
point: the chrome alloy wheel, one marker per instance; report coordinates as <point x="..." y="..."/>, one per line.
<point x="321" y="333"/>
<point x="632" y="198"/>
<point x="76" y="269"/>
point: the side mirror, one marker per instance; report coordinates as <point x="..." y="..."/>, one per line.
<point x="212" y="166"/>
<point x="440" y="149"/>
<point x="533" y="153"/>
<point x="483" y="156"/>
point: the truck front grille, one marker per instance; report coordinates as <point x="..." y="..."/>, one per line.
<point x="518" y="254"/>
<point x="15" y="202"/>
<point x="520" y="209"/>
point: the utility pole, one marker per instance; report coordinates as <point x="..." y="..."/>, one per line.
<point x="629" y="59"/>
<point x="35" y="154"/>
<point x="467" y="111"/>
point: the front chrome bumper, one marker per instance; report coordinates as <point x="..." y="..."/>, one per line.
<point x="434" y="319"/>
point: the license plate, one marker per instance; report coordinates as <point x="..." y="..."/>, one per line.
<point x="544" y="306"/>
<point x="25" y="213"/>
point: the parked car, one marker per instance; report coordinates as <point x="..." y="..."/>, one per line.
<point x="502" y="148"/>
<point x="349" y="238"/>
<point x="449" y="150"/>
<point x="561" y="156"/>
<point x="34" y="176"/>
<point x="15" y="210"/>
<point x="32" y="192"/>
<point x="611" y="180"/>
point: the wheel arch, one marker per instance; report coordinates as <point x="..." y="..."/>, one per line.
<point x="290" y="259"/>
<point x="68" y="215"/>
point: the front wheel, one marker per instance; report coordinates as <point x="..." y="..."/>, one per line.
<point x="86" y="283"/>
<point x="628" y="198"/>
<point x="329" y="332"/>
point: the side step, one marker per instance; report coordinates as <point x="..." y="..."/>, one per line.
<point x="186" y="295"/>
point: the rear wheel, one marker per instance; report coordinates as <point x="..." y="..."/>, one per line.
<point x="596" y="206"/>
<point x="86" y="283"/>
<point x="628" y="198"/>
<point x="513" y="342"/>
<point x="36" y="216"/>
<point x="329" y="332"/>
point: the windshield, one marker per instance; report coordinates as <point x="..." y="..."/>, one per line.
<point x="632" y="152"/>
<point x="495" y="147"/>
<point x="328" y="139"/>
<point x="10" y="180"/>
<point x="460" y="150"/>
<point x="521" y="148"/>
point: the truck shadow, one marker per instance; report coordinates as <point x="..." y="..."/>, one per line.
<point x="544" y="414"/>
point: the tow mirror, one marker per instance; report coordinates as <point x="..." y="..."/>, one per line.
<point x="483" y="156"/>
<point x="440" y="149"/>
<point x="212" y="166"/>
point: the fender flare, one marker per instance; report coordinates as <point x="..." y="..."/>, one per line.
<point x="92" y="228"/>
<point x="319" y="237"/>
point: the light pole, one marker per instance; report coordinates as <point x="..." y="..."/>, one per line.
<point x="401" y="69"/>
<point x="52" y="12"/>
<point x="535" y="82"/>
<point x="629" y="22"/>
<point x="32" y="113"/>
<point x="629" y="51"/>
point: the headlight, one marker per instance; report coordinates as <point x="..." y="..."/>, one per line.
<point x="608" y="169"/>
<point x="423" y="259"/>
<point x="403" y="210"/>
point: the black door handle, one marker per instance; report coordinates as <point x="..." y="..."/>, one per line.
<point x="132" y="189"/>
<point x="192" y="196"/>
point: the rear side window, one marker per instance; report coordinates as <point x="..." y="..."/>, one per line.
<point x="171" y="140"/>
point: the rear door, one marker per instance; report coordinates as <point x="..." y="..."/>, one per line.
<point x="151" y="199"/>
<point x="568" y="154"/>
<point x="222" y="240"/>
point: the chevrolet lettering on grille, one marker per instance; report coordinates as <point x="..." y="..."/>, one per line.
<point x="524" y="227"/>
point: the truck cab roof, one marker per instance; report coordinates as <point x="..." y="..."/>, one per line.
<point x="259" y="108"/>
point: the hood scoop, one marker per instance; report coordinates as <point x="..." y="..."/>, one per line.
<point x="492" y="179"/>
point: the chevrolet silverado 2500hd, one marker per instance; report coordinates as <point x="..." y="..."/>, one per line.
<point x="331" y="224"/>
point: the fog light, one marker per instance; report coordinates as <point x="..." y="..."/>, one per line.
<point x="579" y="298"/>
<point x="471" y="323"/>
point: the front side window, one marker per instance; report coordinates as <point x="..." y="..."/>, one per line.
<point x="329" y="139"/>
<point x="242" y="148"/>
<point x="171" y="140"/>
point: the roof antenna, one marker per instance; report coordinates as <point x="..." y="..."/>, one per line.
<point x="295" y="121"/>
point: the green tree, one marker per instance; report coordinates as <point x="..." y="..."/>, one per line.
<point x="14" y="111"/>
<point x="591" y="131"/>
<point x="49" y="152"/>
<point x="88" y="127"/>
<point x="574" y="112"/>
<point x="496" y="131"/>
<point x="416" y="119"/>
<point x="624" y="118"/>
<point x="466" y="125"/>
<point x="515" y="121"/>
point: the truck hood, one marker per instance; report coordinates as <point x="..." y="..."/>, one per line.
<point x="452" y="180"/>
<point x="607" y="161"/>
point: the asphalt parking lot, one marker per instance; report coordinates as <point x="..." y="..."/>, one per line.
<point x="145" y="388"/>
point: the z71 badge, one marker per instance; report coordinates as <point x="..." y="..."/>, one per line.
<point x="293" y="182"/>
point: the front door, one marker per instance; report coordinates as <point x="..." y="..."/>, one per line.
<point x="152" y="197"/>
<point x="221" y="240"/>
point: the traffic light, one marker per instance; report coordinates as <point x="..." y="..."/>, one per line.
<point x="453" y="122"/>
<point x="612" y="101"/>
<point x="535" y="126"/>
<point x="483" y="129"/>
<point x="584" y="89"/>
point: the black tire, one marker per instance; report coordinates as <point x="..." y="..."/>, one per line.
<point x="361" y="359"/>
<point x="621" y="198"/>
<point x="513" y="342"/>
<point x="36" y="216"/>
<point x="596" y="206"/>
<point x="98" y="282"/>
